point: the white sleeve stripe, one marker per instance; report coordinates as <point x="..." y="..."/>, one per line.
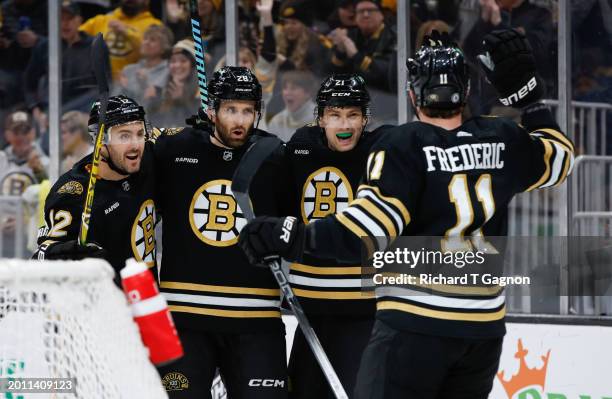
<point x="557" y="167"/>
<point x="372" y="228"/>
<point x="399" y="224"/>
<point x="437" y="300"/>
<point x="326" y="282"/>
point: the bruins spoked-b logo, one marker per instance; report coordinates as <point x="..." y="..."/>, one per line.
<point x="15" y="183"/>
<point x="214" y="214"/>
<point x="326" y="191"/>
<point x="143" y="234"/>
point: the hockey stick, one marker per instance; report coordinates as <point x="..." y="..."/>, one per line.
<point x="196" y="33"/>
<point x="101" y="70"/>
<point x="248" y="166"/>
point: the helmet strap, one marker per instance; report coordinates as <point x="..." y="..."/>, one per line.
<point x="412" y="102"/>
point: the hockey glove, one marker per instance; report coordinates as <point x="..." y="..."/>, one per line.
<point x="511" y="68"/>
<point x="70" y="250"/>
<point x="266" y="237"/>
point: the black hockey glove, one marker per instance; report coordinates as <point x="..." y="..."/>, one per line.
<point x="266" y="237"/>
<point x="511" y="68"/>
<point x="70" y="250"/>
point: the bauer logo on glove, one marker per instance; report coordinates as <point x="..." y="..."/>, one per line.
<point x="511" y="68"/>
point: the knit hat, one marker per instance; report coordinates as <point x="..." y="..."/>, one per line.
<point x="297" y="9"/>
<point x="185" y="46"/>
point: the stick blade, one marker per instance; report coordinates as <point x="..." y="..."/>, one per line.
<point x="254" y="157"/>
<point x="100" y="57"/>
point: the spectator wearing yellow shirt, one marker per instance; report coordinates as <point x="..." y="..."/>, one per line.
<point x="123" y="30"/>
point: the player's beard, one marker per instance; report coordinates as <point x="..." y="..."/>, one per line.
<point x="122" y="164"/>
<point x="228" y="135"/>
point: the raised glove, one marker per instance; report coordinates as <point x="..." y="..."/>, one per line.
<point x="267" y="236"/>
<point x="70" y="250"/>
<point x="511" y="68"/>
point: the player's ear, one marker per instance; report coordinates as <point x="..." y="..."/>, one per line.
<point x="212" y="114"/>
<point x="104" y="151"/>
<point x="320" y="121"/>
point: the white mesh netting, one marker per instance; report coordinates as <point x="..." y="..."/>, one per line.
<point x="68" y="320"/>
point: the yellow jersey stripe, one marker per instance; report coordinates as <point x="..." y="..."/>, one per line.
<point x="547" y="153"/>
<point x="333" y="294"/>
<point x="391" y="200"/>
<point x="175" y="285"/>
<point x="559" y="136"/>
<point x="349" y="224"/>
<point x="378" y="214"/>
<point x="439" y="314"/>
<point x="326" y="270"/>
<point x="358" y="231"/>
<point x="552" y="140"/>
<point x="225" y="313"/>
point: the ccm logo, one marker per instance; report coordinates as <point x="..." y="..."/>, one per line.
<point x="513" y="98"/>
<point x="341" y="94"/>
<point x="257" y="382"/>
<point x="287" y="226"/>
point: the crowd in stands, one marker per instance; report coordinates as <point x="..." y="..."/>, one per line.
<point x="291" y="45"/>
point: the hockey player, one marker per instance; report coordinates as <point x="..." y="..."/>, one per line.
<point x="436" y="177"/>
<point x="326" y="163"/>
<point x="227" y="312"/>
<point x="123" y="217"/>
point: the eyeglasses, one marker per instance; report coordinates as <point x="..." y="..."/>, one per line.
<point x="363" y="11"/>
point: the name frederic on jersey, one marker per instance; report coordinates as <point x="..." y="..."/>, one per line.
<point x="465" y="157"/>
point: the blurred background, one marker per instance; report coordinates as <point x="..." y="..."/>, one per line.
<point x="47" y="88"/>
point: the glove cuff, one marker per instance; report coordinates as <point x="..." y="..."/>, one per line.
<point x="536" y="116"/>
<point x="295" y="249"/>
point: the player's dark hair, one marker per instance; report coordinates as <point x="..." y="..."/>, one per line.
<point x="441" y="113"/>
<point x="438" y="75"/>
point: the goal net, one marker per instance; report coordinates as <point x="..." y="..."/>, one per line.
<point x="67" y="320"/>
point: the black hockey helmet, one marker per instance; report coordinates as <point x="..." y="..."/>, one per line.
<point x="234" y="83"/>
<point x="343" y="90"/>
<point x="120" y="110"/>
<point x="438" y="74"/>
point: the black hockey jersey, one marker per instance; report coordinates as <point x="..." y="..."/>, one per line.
<point x="423" y="180"/>
<point x="323" y="182"/>
<point x="206" y="279"/>
<point x="123" y="215"/>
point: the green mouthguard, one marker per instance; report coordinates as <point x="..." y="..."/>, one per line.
<point x="344" y="135"/>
